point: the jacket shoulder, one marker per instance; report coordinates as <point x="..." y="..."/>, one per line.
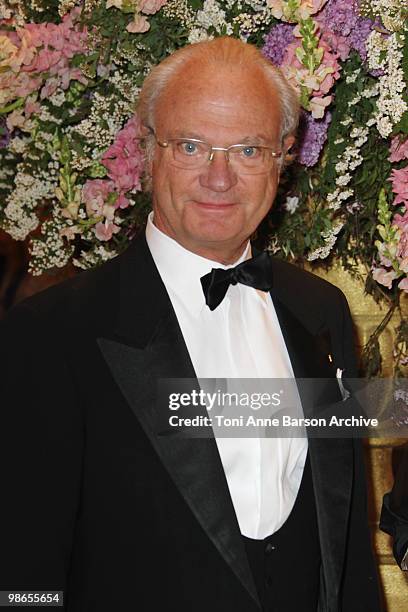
<point x="78" y="302"/>
<point x="309" y="287"/>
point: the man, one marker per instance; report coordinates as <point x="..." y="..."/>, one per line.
<point x="104" y="503"/>
<point x="394" y="514"/>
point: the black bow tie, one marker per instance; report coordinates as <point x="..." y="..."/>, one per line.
<point x="255" y="272"/>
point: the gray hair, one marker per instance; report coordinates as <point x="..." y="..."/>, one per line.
<point x="226" y="51"/>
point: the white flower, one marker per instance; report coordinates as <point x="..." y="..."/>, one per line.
<point x="213" y="16"/>
<point x="291" y="204"/>
<point x="57" y="98"/>
<point x="333" y="195"/>
<point x="18" y="145"/>
<point x="116" y="3"/>
<point x="355" y="100"/>
<point x="89" y="259"/>
<point x="343" y="180"/>
<point x="198" y="35"/>
<point x="341" y="167"/>
<point x="20" y="218"/>
<point x="330" y="238"/>
<point x="387" y="53"/>
<point x="352" y="77"/>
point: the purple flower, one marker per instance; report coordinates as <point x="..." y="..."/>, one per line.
<point x="339" y="16"/>
<point x="276" y="42"/>
<point x="342" y="18"/>
<point x="313" y="134"/>
<point x="359" y="35"/>
<point x="4" y="134"/>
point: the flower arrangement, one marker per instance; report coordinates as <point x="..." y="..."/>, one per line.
<point x="71" y="154"/>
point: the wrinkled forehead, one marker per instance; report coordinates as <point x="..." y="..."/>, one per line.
<point x="213" y="98"/>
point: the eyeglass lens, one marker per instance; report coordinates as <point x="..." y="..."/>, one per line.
<point x="243" y="158"/>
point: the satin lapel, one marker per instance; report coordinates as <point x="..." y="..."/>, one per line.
<point x="331" y="459"/>
<point x="147" y="346"/>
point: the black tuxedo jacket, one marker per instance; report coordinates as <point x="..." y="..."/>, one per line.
<point x="99" y="504"/>
<point x="394" y="513"/>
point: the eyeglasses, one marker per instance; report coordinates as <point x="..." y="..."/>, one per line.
<point x="192" y="154"/>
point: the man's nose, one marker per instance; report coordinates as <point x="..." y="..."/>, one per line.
<point x="218" y="174"/>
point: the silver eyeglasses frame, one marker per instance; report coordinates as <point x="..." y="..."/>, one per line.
<point x="211" y="148"/>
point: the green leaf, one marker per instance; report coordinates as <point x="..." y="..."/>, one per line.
<point x="97" y="170"/>
<point x="402" y="125"/>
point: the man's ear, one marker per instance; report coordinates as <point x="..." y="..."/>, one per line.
<point x="144" y="131"/>
<point x="288" y="143"/>
<point x="146" y="136"/>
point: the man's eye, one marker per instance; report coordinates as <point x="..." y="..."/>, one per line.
<point x="188" y="148"/>
<point x="250" y="152"/>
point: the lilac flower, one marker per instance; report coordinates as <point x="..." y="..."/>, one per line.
<point x="4" y="134"/>
<point x="313" y="134"/>
<point x="342" y="18"/>
<point x="359" y="35"/>
<point x="276" y="42"/>
<point x="339" y="16"/>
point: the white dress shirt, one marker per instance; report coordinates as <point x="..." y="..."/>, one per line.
<point x="242" y="339"/>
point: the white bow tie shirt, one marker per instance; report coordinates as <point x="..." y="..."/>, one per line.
<point x="240" y="339"/>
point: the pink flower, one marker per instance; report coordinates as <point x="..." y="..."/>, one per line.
<point x="399" y="179"/>
<point x="339" y="44"/>
<point x="315" y="5"/>
<point x="320" y="82"/>
<point x="24" y="84"/>
<point x="52" y="36"/>
<point x="31" y="107"/>
<point x="385" y="262"/>
<point x="282" y="10"/>
<point x="8" y="54"/>
<point x="54" y="46"/>
<point x="398" y="149"/>
<point x="125" y="172"/>
<point x="124" y="158"/>
<point x="19" y="51"/>
<point x="69" y="18"/>
<point x="139" y="25"/>
<point x="329" y="69"/>
<point x="401" y="221"/>
<point x="318" y="106"/>
<point x="122" y="202"/>
<point x="15" y="119"/>
<point x="149" y="7"/>
<point x="104" y="231"/>
<point x="402" y="250"/>
<point x="403" y="284"/>
<point x="126" y="140"/>
<point x="95" y="194"/>
<point x="403" y="265"/>
<point x="38" y="51"/>
<point x="51" y="85"/>
<point x="13" y="86"/>
<point x="384" y="277"/>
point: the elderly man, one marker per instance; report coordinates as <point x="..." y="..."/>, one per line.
<point x="98" y="502"/>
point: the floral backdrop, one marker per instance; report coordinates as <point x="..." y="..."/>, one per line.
<point x="71" y="157"/>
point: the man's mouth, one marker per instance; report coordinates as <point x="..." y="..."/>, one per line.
<point x="216" y="206"/>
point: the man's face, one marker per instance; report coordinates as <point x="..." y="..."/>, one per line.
<point x="213" y="210"/>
